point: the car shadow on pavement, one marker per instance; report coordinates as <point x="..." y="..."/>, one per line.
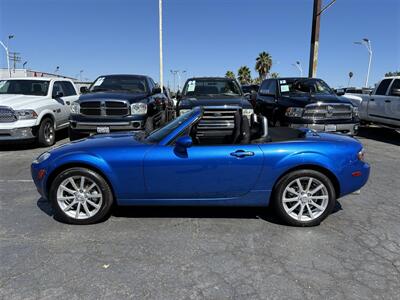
<point x="192" y="212"/>
<point x="28" y="145"/>
<point x="380" y="134"/>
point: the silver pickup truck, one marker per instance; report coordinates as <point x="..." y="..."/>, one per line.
<point x="382" y="106"/>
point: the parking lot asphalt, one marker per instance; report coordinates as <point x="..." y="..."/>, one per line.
<point x="203" y="253"/>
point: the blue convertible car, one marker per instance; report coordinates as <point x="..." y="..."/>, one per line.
<point x="192" y="161"/>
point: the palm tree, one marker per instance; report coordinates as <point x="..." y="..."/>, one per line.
<point x="263" y="64"/>
<point x="230" y="74"/>
<point x="244" y="75"/>
<point x="256" y="80"/>
<point x="274" y="75"/>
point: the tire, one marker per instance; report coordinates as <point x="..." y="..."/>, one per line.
<point x="46" y="133"/>
<point x="307" y="208"/>
<point x="149" y="126"/>
<point x="74" y="135"/>
<point x="78" y="207"/>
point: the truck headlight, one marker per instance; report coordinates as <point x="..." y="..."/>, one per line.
<point x="183" y="111"/>
<point x="26" y="114"/>
<point x="355" y="111"/>
<point x="75" y="108"/>
<point x="294" y="112"/>
<point x="138" y="109"/>
<point x="247" y="112"/>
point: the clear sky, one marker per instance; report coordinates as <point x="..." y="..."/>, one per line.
<point x="204" y="37"/>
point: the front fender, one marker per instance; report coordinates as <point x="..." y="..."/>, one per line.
<point x="80" y="159"/>
<point x="44" y="113"/>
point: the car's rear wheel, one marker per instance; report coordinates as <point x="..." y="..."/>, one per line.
<point x="46" y="133"/>
<point x="80" y="196"/>
<point x="304" y="198"/>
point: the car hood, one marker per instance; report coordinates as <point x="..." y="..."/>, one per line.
<point x="100" y="142"/>
<point x="130" y="97"/>
<point x="218" y="101"/>
<point x="21" y="101"/>
<point x="303" y="100"/>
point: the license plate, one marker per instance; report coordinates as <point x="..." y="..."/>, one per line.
<point x="103" y="129"/>
<point x="330" y="127"/>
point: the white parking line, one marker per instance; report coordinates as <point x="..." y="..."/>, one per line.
<point x="16" y="180"/>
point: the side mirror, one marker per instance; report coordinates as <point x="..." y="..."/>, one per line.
<point x="156" y="90"/>
<point x="183" y="143"/>
<point x="395" y="92"/>
<point x="83" y="89"/>
<point x="58" y="95"/>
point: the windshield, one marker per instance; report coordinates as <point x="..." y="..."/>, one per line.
<point x="24" y="87"/>
<point x="211" y="88"/>
<point x="132" y="84"/>
<point x="159" y="134"/>
<point x="304" y="85"/>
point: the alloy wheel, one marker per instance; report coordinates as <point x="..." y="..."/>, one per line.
<point x="79" y="197"/>
<point x="305" y="199"/>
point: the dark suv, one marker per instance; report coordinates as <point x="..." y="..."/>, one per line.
<point x="120" y="102"/>
<point x="306" y="102"/>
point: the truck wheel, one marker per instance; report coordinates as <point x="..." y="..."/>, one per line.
<point x="149" y="126"/>
<point x="80" y="196"/>
<point x="46" y="133"/>
<point x="304" y="198"/>
<point x="74" y="135"/>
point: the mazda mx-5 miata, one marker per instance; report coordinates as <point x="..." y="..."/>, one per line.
<point x="192" y="161"/>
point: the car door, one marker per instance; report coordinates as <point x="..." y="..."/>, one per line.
<point x="220" y="171"/>
<point x="376" y="104"/>
<point x="60" y="108"/>
<point x="392" y="104"/>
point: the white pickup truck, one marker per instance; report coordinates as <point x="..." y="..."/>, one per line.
<point x="382" y="106"/>
<point x="35" y="108"/>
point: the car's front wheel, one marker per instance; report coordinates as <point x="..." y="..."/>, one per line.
<point x="80" y="196"/>
<point x="304" y="197"/>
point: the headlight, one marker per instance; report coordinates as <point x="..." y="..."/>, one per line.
<point x="247" y="112"/>
<point x="294" y="112"/>
<point x="138" y="109"/>
<point x="75" y="108"/>
<point x="183" y="111"/>
<point x="355" y="111"/>
<point x="26" y="114"/>
<point x="42" y="157"/>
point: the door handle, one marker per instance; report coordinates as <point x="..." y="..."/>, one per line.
<point x="67" y="102"/>
<point x="371" y="99"/>
<point x="242" y="153"/>
<point x="388" y="101"/>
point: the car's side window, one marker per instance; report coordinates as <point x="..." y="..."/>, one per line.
<point x="395" y="86"/>
<point x="57" y="88"/>
<point x="68" y="88"/>
<point x="265" y="87"/>
<point x="383" y="86"/>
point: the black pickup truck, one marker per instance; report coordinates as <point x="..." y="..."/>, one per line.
<point x="120" y="102"/>
<point x="305" y="102"/>
<point x="223" y="101"/>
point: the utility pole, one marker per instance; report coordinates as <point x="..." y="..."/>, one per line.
<point x="312" y="72"/>
<point x="317" y="11"/>
<point x="161" y="49"/>
<point x="367" y="43"/>
<point x="15" y="57"/>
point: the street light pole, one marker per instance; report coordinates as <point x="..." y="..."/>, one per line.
<point x="298" y="66"/>
<point x="8" y="58"/>
<point x="161" y="48"/>
<point x="367" y="44"/>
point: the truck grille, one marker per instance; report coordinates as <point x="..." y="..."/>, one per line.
<point x="104" y="108"/>
<point x="328" y="111"/>
<point x="217" y="120"/>
<point x="7" y="115"/>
